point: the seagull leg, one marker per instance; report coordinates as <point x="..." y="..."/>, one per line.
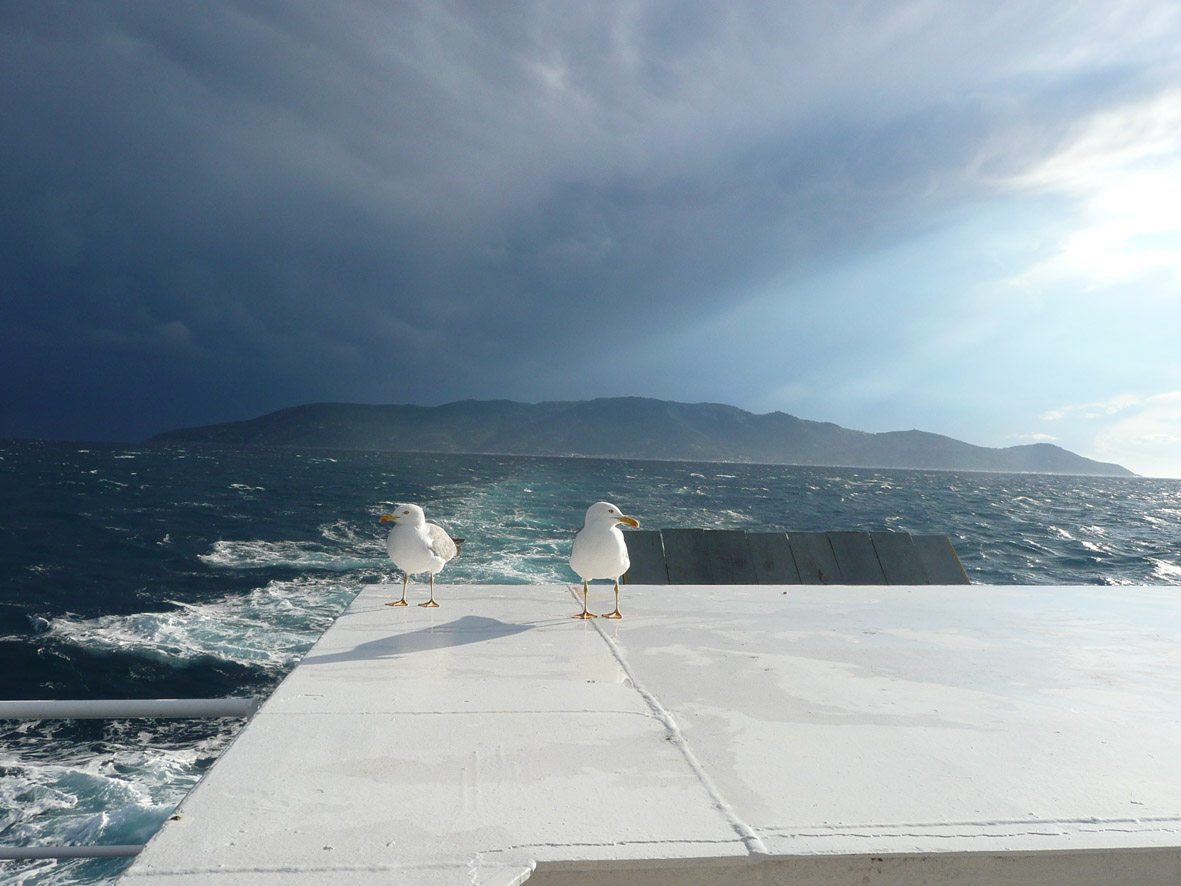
<point x="584" y="613"/>
<point x="431" y="601"/>
<point x="405" y="581"/>
<point x="616" y="613"/>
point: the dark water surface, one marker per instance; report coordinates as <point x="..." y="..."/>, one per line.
<point x="133" y="572"/>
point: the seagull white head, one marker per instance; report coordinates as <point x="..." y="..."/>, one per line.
<point x="406" y="515"/>
<point x="605" y="512"/>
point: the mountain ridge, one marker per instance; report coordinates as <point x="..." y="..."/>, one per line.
<point x="626" y="427"/>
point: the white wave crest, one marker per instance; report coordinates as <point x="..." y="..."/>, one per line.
<point x="117" y="791"/>
<point x="1165" y="571"/>
<point x="271" y="626"/>
<point x="258" y="554"/>
<point x="346" y="533"/>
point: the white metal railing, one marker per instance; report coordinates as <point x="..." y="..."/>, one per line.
<point x="27" y="853"/>
<point x="119" y="708"/>
<point x="112" y="709"/>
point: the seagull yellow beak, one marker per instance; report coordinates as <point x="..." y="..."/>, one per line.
<point x="629" y="521"/>
<point x="386" y="518"/>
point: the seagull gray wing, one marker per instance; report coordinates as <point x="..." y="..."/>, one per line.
<point x="442" y="545"/>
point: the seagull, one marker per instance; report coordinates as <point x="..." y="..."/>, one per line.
<point x="599" y="550"/>
<point x="418" y="546"/>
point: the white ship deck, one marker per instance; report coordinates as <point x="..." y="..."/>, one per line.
<point x="722" y="734"/>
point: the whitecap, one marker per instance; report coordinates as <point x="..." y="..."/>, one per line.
<point x="729" y="518"/>
<point x="304" y="555"/>
<point x="344" y="532"/>
<point x="61" y="791"/>
<point x="269" y="627"/>
<point x="1164" y="570"/>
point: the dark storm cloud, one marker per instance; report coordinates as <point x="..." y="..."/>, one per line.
<point x="215" y="209"/>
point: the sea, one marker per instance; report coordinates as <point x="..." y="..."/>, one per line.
<point x="153" y="572"/>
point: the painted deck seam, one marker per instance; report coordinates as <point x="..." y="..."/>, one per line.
<point x="752" y="841"/>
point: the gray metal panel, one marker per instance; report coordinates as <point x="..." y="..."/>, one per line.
<point x="770" y="552"/>
<point x="729" y="558"/>
<point x="645" y="549"/>
<point x="899" y="558"/>
<point x="707" y="557"/>
<point x="814" y="558"/>
<point x="685" y="556"/>
<point x="940" y="560"/>
<point x="857" y="558"/>
<point x="720" y="556"/>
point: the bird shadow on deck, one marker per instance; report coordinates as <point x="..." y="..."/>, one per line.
<point x="460" y="632"/>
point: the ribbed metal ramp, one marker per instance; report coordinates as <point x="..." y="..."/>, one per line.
<point x="734" y="556"/>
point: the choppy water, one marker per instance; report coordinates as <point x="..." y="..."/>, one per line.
<point x="142" y="573"/>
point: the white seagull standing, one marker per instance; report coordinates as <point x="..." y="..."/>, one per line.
<point x="599" y="550"/>
<point x="418" y="546"/>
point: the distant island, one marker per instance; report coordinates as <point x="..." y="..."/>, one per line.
<point x="626" y="427"/>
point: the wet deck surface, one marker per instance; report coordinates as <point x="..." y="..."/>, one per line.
<point x="748" y="734"/>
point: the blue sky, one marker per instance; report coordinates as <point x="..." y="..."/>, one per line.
<point x="890" y="215"/>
